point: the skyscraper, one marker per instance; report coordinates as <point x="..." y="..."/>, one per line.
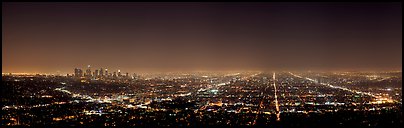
<point x="78" y="72"/>
<point x="88" y="71"/>
<point x="114" y="75"/>
<point x="101" y="73"/>
<point x="134" y="76"/>
<point x="95" y="73"/>
<point x="119" y="73"/>
<point x="106" y="72"/>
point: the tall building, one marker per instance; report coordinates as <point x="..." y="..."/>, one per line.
<point x="134" y="76"/>
<point x="78" y="72"/>
<point x="106" y="72"/>
<point x="88" y="71"/>
<point x="114" y="75"/>
<point x="95" y="73"/>
<point x="119" y="73"/>
<point x="101" y="73"/>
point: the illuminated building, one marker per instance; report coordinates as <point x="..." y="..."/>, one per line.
<point x="88" y="71"/>
<point x="95" y="73"/>
<point x="106" y="72"/>
<point x="101" y="73"/>
<point x="78" y="72"/>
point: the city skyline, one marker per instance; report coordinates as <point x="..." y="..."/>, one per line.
<point x="56" y="37"/>
<point x="194" y="64"/>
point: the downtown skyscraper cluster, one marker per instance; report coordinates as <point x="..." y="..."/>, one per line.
<point x="99" y="73"/>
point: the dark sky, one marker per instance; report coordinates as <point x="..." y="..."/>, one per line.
<point x="50" y="37"/>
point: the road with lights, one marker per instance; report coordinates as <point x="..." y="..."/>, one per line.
<point x="379" y="99"/>
<point x="276" y="100"/>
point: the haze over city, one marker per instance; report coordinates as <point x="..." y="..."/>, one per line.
<point x="132" y="37"/>
<point x="285" y="65"/>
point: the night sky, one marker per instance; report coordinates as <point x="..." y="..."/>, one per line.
<point x="51" y="37"/>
